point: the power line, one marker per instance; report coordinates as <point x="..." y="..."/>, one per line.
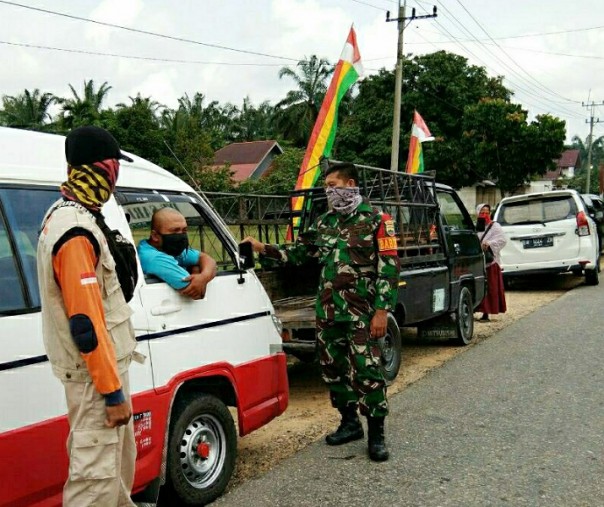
<point x="506" y="66"/>
<point x="136" y="57"/>
<point x="545" y="88"/>
<point x="513" y="48"/>
<point x="512" y="83"/>
<point x="436" y="97"/>
<point x="369" y="5"/>
<point x="537" y="95"/>
<point x="146" y="32"/>
<point x="593" y="57"/>
<point x="536" y="34"/>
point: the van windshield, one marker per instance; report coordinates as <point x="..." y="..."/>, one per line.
<point x="24" y="209"/>
<point x="538" y="210"/>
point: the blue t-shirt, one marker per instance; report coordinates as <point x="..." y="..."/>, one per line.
<point x="167" y="268"/>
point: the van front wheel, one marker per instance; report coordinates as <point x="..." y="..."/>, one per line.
<point x="201" y="451"/>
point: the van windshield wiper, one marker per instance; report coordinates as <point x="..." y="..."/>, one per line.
<point x="527" y="222"/>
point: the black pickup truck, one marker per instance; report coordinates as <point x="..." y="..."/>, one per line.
<point x="442" y="277"/>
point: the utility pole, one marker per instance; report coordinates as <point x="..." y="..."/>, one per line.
<point x="396" y="123"/>
<point x="592" y="107"/>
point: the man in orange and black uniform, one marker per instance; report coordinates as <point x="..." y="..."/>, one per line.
<point x="86" y="324"/>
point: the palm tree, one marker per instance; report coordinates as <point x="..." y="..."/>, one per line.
<point x="214" y="120"/>
<point x="299" y="109"/>
<point x="597" y="158"/>
<point x="28" y="110"/>
<point x="143" y="104"/>
<point x="254" y="123"/>
<point x="85" y="110"/>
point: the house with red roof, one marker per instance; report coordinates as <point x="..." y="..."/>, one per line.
<point x="566" y="168"/>
<point x="249" y="160"/>
<point x="486" y="191"/>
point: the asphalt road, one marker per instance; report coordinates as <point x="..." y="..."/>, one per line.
<point x="518" y="420"/>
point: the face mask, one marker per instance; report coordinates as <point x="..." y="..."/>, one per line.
<point x="91" y="184"/>
<point x="343" y="199"/>
<point x="486" y="216"/>
<point x="174" y="244"/>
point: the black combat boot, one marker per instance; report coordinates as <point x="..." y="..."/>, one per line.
<point x="350" y="428"/>
<point x="377" y="444"/>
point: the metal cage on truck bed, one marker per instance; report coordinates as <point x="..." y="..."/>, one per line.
<point x="409" y="198"/>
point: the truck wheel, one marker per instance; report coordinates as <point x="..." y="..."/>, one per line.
<point x="391" y="350"/>
<point x="201" y="451"/>
<point x="464" y="317"/>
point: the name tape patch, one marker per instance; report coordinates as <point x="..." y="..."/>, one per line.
<point x="385" y="244"/>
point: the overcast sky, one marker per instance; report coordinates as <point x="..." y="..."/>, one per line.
<point x="548" y="72"/>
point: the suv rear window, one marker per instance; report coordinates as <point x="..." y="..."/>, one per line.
<point x="537" y="210"/>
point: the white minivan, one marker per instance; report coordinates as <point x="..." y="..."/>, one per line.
<point x="548" y="232"/>
<point x="202" y="357"/>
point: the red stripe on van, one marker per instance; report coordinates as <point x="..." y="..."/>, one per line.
<point x="34" y="460"/>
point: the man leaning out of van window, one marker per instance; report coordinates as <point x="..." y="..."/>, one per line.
<point x="167" y="255"/>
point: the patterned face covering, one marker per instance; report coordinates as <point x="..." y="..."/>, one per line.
<point x="343" y="199"/>
<point x="91" y="184"/>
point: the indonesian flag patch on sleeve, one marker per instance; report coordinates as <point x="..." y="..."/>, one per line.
<point x="88" y="278"/>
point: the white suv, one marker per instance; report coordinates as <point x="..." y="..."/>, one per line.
<point x="548" y="232"/>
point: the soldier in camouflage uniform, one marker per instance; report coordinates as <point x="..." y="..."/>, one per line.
<point x="356" y="246"/>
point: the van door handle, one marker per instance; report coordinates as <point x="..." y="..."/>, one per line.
<point x="165" y="309"/>
<point x="457" y="248"/>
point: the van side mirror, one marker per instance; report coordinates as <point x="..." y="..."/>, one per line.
<point x="246" y="256"/>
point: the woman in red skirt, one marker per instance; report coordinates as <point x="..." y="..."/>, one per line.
<point x="492" y="238"/>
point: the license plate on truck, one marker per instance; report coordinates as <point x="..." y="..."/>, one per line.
<point x="542" y="242"/>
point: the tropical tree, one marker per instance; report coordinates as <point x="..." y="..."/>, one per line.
<point x="500" y="145"/>
<point x="215" y="120"/>
<point x="137" y="126"/>
<point x="84" y="110"/>
<point x="597" y="158"/>
<point x="438" y="85"/>
<point x="281" y="177"/>
<point x="187" y="142"/>
<point x="298" y="111"/>
<point x="254" y="123"/>
<point x="28" y="110"/>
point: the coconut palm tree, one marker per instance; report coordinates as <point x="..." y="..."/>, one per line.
<point x="28" y="110"/>
<point x="214" y="120"/>
<point x="597" y="158"/>
<point x="254" y="123"/>
<point x="84" y="110"/>
<point x="298" y="111"/>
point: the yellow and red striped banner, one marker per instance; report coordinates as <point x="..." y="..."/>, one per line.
<point x="419" y="134"/>
<point x="320" y="144"/>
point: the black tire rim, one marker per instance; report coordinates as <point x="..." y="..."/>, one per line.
<point x="465" y="318"/>
<point x="387" y="348"/>
<point x="202" y="451"/>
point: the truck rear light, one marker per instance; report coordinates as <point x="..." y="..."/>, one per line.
<point x="582" y="224"/>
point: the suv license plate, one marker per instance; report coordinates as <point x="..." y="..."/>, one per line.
<point x="538" y="242"/>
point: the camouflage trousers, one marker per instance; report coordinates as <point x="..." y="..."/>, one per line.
<point x="350" y="362"/>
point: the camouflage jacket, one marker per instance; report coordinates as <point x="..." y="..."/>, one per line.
<point x="360" y="266"/>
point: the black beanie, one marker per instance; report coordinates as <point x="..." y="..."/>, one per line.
<point x="86" y="145"/>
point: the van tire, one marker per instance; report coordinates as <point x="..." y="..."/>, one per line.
<point x="193" y="478"/>
<point x="391" y="350"/>
<point x="464" y="317"/>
